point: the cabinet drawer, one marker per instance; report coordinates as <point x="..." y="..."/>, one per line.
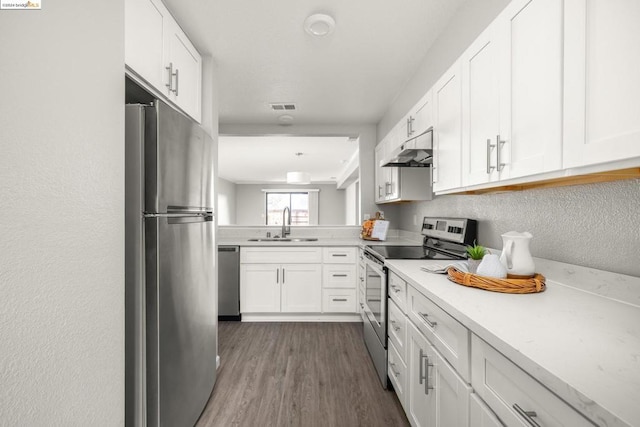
<point x="338" y="276"/>
<point x="448" y="335"/>
<point x="511" y="392"/>
<point x="281" y="255"/>
<point x="339" y="255"/>
<point x="397" y="372"/>
<point x="339" y="301"/>
<point x="398" y="291"/>
<point x="398" y="329"/>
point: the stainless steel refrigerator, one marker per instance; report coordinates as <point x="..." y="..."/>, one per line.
<point x="171" y="306"/>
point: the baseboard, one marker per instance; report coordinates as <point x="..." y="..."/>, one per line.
<point x="311" y="317"/>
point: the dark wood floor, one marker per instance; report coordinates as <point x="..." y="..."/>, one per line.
<point x="297" y="374"/>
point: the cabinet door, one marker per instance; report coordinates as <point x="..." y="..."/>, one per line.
<point x="481" y="108"/>
<point x="451" y="395"/>
<point x="480" y="415"/>
<point x="422" y="115"/>
<point x="602" y="89"/>
<point x="260" y="288"/>
<point x="379" y="173"/>
<point x="531" y="126"/>
<point x="186" y="65"/>
<point x="421" y="399"/>
<point x="301" y="286"/>
<point x="447" y="133"/>
<point x="143" y="27"/>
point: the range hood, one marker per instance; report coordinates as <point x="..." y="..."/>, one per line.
<point x="415" y="152"/>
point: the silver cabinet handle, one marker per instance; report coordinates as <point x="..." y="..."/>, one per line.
<point x="339" y="275"/>
<point x="387" y="188"/>
<point x="527" y="415"/>
<point x="408" y="127"/>
<point x="283" y="275"/>
<point x="170" y="84"/>
<point x="433" y="174"/>
<point x="499" y="145"/>
<point x="424" y="372"/>
<point x="278" y="276"/>
<point x="490" y="147"/>
<point x="411" y="119"/>
<point x="340" y="299"/>
<point x="393" y="325"/>
<point x="379" y="190"/>
<point x="177" y="80"/>
<point x="340" y="255"/>
<point x="425" y="317"/>
<point x="395" y="373"/>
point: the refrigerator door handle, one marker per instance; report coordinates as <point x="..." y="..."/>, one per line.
<point x="179" y="215"/>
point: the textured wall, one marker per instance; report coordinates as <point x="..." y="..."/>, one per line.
<point x="62" y="216"/>
<point x="594" y="225"/>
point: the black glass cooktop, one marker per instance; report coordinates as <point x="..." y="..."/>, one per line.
<point x="410" y="252"/>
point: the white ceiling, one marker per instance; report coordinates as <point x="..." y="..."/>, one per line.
<point x="349" y="77"/>
<point x="266" y="159"/>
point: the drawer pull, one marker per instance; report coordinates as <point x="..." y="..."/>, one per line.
<point x="395" y="288"/>
<point x="340" y="299"/>
<point x="339" y="275"/>
<point x="527" y="415"/>
<point x="425" y="317"/>
<point x="395" y="373"/>
<point x="393" y="323"/>
<point x="338" y="254"/>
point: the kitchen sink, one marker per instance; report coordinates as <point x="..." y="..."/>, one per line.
<point x="284" y="239"/>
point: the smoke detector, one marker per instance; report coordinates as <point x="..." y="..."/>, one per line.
<point x="319" y="25"/>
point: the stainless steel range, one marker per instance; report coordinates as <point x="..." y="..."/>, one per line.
<point x="444" y="238"/>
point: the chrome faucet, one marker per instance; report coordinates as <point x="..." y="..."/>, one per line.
<point x="286" y="228"/>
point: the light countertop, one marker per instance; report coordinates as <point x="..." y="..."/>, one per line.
<point x="322" y="241"/>
<point x="581" y="345"/>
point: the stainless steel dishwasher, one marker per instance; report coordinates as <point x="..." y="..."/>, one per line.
<point x="228" y="282"/>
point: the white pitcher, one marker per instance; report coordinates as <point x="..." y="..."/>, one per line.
<point x="516" y="256"/>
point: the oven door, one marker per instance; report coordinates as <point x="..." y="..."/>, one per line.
<point x="375" y="304"/>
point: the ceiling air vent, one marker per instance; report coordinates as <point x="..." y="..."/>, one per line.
<point x="283" y="106"/>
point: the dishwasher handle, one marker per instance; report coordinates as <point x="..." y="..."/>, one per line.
<point x="228" y="248"/>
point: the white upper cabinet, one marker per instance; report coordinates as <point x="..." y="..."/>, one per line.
<point x="419" y="119"/>
<point x="143" y="39"/>
<point x="602" y="87"/>
<point x="447" y="135"/>
<point x="532" y="122"/>
<point x="184" y="77"/>
<point x="481" y="108"/>
<point x="512" y="95"/>
<point x="158" y="51"/>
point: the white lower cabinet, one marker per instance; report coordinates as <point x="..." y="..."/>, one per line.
<point x="280" y="280"/>
<point x="515" y="397"/>
<point x="438" y="396"/>
<point x="286" y="288"/>
<point x="301" y="288"/>
<point x="480" y="415"/>
<point x="397" y="373"/>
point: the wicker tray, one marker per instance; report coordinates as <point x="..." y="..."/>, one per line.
<point x="511" y="286"/>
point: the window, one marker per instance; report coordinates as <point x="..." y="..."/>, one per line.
<point x="303" y="206"/>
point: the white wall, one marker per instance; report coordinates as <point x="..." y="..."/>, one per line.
<point x="367" y="142"/>
<point x="226" y="202"/>
<point x="62" y="216"/>
<point x="352" y="203"/>
<point x="250" y="203"/>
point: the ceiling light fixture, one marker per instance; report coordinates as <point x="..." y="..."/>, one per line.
<point x="319" y="25"/>
<point x="298" y="178"/>
<point x="285" y="120"/>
